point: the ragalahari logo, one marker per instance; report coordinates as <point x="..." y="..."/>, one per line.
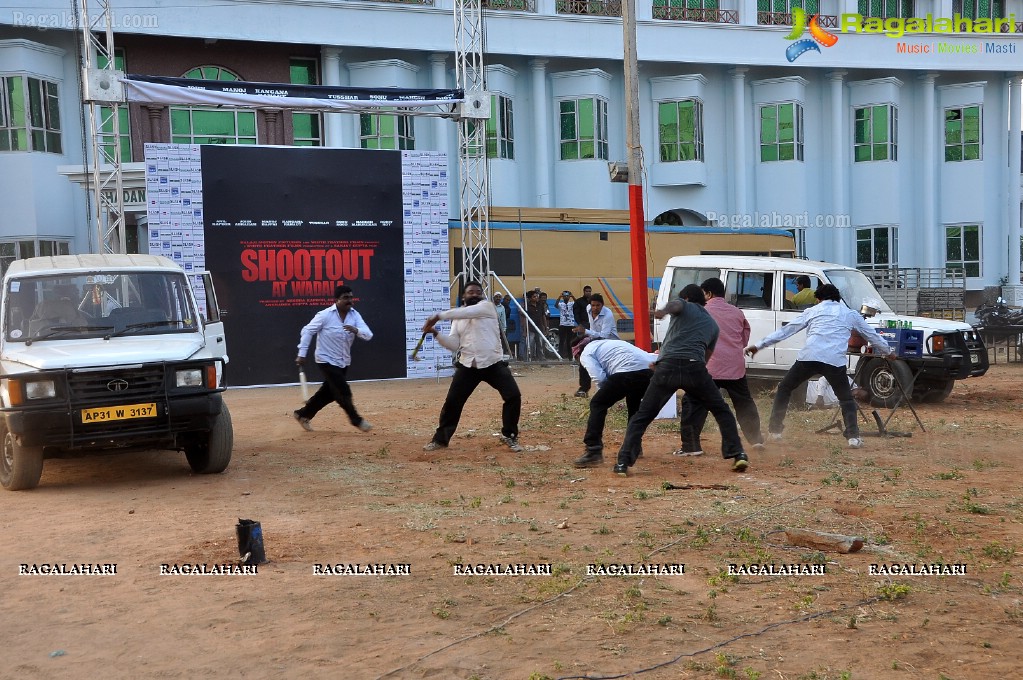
<point x="818" y="35"/>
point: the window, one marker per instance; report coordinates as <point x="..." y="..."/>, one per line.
<point x="500" y="128"/>
<point x="979" y="9"/>
<point x="749" y="290"/>
<point x="962" y="248"/>
<point x="876" y="133"/>
<point x="680" y="130"/>
<point x="24" y="248"/>
<point x="884" y="9"/>
<point x="29" y="115"/>
<point x="307" y="128"/>
<point x="785" y="6"/>
<point x="208" y="125"/>
<point x="682" y="277"/>
<point x="796" y="297"/>
<point x="781" y="132"/>
<point x="387" y="131"/>
<point x="583" y="129"/>
<point x="877" y="247"/>
<point x="962" y="133"/>
<point x="105" y="123"/>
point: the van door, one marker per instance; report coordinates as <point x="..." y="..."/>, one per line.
<point x="791" y="303"/>
<point x="213" y="326"/>
<point x="753" y="293"/>
<point x="674" y="280"/>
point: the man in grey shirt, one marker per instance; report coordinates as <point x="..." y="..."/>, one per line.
<point x="682" y="366"/>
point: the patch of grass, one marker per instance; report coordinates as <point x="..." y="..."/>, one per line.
<point x="640" y="494"/>
<point x="602" y="530"/>
<point x="999" y="552"/>
<point x="893" y="591"/>
<point x="980" y="464"/>
<point x="950" y="475"/>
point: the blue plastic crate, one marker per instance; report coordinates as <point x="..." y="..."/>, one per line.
<point x="906" y="342"/>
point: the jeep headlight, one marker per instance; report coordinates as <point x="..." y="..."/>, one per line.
<point x="40" y="389"/>
<point x="191" y="377"/>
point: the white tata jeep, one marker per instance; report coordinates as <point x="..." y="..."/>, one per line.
<point x="108" y="353"/>
<point x="765" y="289"/>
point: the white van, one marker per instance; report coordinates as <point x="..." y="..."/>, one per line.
<point x="102" y="353"/>
<point x="764" y="287"/>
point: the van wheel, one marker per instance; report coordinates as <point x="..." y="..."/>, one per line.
<point x="214" y="454"/>
<point x="934" y="393"/>
<point x="882" y="379"/>
<point x="20" y="466"/>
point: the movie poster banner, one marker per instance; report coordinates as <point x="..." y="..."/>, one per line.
<point x="282" y="226"/>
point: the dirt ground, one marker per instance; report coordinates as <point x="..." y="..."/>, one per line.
<point x="949" y="495"/>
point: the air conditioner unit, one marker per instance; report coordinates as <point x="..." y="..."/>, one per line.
<point x="619" y="171"/>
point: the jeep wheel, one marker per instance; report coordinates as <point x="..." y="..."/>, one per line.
<point x="214" y="454"/>
<point x="882" y="378"/>
<point x="20" y="466"/>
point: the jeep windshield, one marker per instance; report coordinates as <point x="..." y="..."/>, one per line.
<point x="856" y="288"/>
<point x="88" y="305"/>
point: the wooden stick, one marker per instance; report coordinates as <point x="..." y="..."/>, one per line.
<point x="822" y="541"/>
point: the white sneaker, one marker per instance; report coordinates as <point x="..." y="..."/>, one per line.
<point x="759" y="446"/>
<point x="365" y="425"/>
<point x="855" y="443"/>
<point x="683" y="452"/>
<point x="774" y="436"/>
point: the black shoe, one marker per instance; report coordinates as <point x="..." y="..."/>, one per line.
<point x="582" y="393"/>
<point x="740" y="462"/>
<point x="589" y="459"/>
<point x="621" y="469"/>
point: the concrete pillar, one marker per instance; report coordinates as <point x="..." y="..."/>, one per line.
<point x="439" y="81"/>
<point x="842" y="243"/>
<point x="933" y="235"/>
<point x="542" y="135"/>
<point x="1014" y="172"/>
<point x="333" y="123"/>
<point x="740" y="193"/>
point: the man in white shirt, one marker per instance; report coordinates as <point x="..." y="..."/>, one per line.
<point x="476" y="339"/>
<point x="828" y="325"/>
<point x="621" y="371"/>
<point x="602" y="325"/>
<point x="335" y="328"/>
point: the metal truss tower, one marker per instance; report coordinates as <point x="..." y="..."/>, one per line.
<point x="473" y="191"/>
<point x="103" y="94"/>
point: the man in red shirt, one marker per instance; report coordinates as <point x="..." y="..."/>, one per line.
<point x="727" y="366"/>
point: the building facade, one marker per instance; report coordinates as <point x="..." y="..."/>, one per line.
<point x="878" y="149"/>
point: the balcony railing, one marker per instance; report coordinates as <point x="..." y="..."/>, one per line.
<point x="784" y="19"/>
<point x="599" y="8"/>
<point x="510" y="5"/>
<point x="713" y="16"/>
<point x="1005" y="27"/>
<point x="409" y="2"/>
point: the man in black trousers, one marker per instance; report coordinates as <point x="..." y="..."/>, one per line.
<point x="475" y="337"/>
<point x="681" y="365"/>
<point x="621" y="371"/>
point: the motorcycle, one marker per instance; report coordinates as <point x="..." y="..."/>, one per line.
<point x="998" y="314"/>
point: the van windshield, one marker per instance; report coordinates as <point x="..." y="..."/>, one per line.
<point x="72" y="306"/>
<point x="856" y="288"/>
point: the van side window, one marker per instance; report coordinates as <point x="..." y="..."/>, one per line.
<point x="799" y="290"/>
<point x="682" y="277"/>
<point x="749" y="290"/>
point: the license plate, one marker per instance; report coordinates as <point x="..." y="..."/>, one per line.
<point x="127" y="412"/>
<point x="975" y="358"/>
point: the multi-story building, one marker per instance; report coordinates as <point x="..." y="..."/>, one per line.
<point x="875" y="149"/>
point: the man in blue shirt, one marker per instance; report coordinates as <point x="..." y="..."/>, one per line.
<point x="621" y="371"/>
<point x="828" y="325"/>
<point x="335" y="328"/>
